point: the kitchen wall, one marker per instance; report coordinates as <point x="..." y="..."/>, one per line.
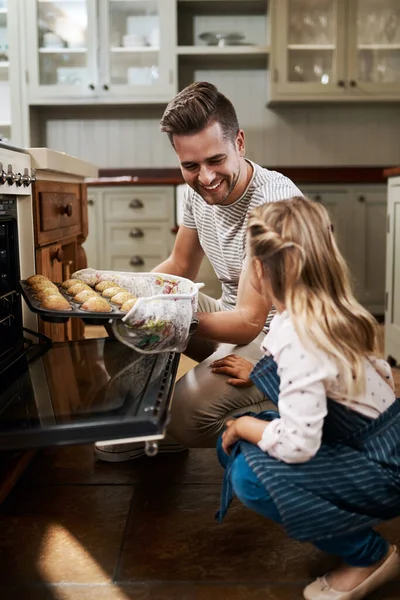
<point x="321" y="135"/>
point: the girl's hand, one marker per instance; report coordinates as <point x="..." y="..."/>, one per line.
<point x="230" y="436"/>
<point x="236" y="367"/>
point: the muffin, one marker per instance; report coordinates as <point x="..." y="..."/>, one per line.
<point x="76" y="288"/>
<point x="70" y="282"/>
<point x="46" y="292"/>
<point x="44" y="284"/>
<point x="103" y="285"/>
<point x="55" y="302"/>
<point x="35" y="278"/>
<point x="111" y="291"/>
<point x="121" y="297"/>
<point x="97" y="304"/>
<point x="126" y="307"/>
<point x="84" y="295"/>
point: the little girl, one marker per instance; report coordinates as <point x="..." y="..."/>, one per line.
<point x="327" y="466"/>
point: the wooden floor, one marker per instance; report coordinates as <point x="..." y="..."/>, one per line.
<point x="77" y="529"/>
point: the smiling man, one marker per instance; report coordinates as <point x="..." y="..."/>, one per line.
<point x="223" y="187"/>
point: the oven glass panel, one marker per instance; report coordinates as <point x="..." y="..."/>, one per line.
<point x="85" y="391"/>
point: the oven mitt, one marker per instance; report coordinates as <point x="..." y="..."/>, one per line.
<point x="160" y="320"/>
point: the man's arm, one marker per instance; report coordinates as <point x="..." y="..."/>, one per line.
<point x="244" y="323"/>
<point x="186" y="256"/>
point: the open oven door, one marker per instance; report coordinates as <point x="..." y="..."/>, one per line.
<point x="86" y="391"/>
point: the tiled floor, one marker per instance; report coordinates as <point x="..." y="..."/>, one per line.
<point x="74" y="528"/>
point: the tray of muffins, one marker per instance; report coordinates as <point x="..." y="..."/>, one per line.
<point x="58" y="302"/>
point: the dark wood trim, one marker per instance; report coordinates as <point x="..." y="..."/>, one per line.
<point x="300" y="175"/>
<point x="395" y="172"/>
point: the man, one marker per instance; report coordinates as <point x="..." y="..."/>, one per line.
<point x="223" y="187"/>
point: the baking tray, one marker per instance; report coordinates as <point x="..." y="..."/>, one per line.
<point x="62" y="316"/>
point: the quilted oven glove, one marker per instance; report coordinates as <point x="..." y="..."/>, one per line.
<point x="160" y="319"/>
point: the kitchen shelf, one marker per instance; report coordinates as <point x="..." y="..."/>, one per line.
<point x="3" y="11"/>
<point x="130" y="49"/>
<point x="378" y="46"/>
<point x="224" y="6"/>
<point x="5" y="124"/>
<point x="311" y="47"/>
<point x="221" y="50"/>
<point x="4" y="64"/>
<point x="62" y="50"/>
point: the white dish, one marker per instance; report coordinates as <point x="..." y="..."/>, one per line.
<point x="221" y="39"/>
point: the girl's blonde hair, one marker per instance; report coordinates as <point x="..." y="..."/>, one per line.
<point x="294" y="241"/>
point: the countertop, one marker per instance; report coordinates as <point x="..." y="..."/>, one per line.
<point x="44" y="159"/>
<point x="393" y="172"/>
<point x="300" y="175"/>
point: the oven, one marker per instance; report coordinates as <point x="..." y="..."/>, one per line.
<point x="72" y="392"/>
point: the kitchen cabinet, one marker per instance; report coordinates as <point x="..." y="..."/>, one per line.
<point x="335" y="50"/>
<point x="60" y="227"/>
<point x="392" y="312"/>
<point x="100" y="51"/>
<point x="359" y="219"/>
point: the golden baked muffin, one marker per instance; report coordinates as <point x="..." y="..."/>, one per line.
<point x="84" y="295"/>
<point x="35" y="278"/>
<point x="70" y="282"/>
<point x="76" y="288"/>
<point x="44" y="284"/>
<point x="111" y="291"/>
<point x="97" y="304"/>
<point x="121" y="297"/>
<point x="55" y="302"/>
<point x="103" y="285"/>
<point x="46" y="292"/>
<point x="126" y="307"/>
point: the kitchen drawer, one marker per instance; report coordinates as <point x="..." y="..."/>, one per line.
<point x="147" y="238"/>
<point x="132" y="262"/>
<point x="139" y="204"/>
<point x="58" y="211"/>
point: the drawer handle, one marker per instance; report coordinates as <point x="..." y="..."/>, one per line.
<point x="67" y="210"/>
<point x="136" y="203"/>
<point x="361" y="198"/>
<point x="57" y="255"/>
<point x="136" y="233"/>
<point x="318" y="198"/>
<point x="136" y="261"/>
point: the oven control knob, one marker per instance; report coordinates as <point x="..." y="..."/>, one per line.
<point x="3" y="175"/>
<point x="10" y="177"/>
<point x="18" y="179"/>
<point x="27" y="179"/>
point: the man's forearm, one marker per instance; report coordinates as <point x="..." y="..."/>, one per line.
<point x="233" y="327"/>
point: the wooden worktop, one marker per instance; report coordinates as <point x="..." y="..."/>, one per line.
<point x="300" y="175"/>
<point x="393" y="172"/>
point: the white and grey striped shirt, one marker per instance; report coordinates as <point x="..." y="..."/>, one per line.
<point x="222" y="229"/>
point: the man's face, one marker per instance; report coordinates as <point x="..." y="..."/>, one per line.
<point x="211" y="164"/>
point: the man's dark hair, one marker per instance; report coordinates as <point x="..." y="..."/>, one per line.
<point x="197" y="106"/>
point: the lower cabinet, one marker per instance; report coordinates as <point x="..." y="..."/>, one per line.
<point x="358" y="216"/>
<point x="392" y="313"/>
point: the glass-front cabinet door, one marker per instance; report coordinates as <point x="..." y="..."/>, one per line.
<point x="5" y="97"/>
<point x="138" y="39"/>
<point x="62" y="48"/>
<point x="309" y="48"/>
<point x="374" y="47"/>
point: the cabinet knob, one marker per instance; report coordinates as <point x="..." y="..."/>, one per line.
<point x="136" y="233"/>
<point x="136" y="261"/>
<point x="341" y="83"/>
<point x="106" y="87"/>
<point x="58" y="255"/>
<point x="353" y="83"/>
<point x="91" y="202"/>
<point x="361" y="198"/>
<point x="136" y="203"/>
<point x="67" y="210"/>
<point x="91" y="86"/>
<point x="318" y="198"/>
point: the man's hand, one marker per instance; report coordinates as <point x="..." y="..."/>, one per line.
<point x="236" y="367"/>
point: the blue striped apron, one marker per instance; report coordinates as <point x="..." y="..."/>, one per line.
<point x="353" y="481"/>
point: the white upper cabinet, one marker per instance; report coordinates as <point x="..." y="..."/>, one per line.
<point x="335" y="50"/>
<point x="103" y="51"/>
<point x="5" y="96"/>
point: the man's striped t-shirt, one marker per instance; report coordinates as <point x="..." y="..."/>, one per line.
<point x="222" y="229"/>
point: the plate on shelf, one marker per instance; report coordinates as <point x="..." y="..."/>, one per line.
<point x="222" y="39"/>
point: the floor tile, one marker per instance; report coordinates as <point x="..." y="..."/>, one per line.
<point x="62" y="533"/>
<point x="76" y="464"/>
<point x="172" y="535"/>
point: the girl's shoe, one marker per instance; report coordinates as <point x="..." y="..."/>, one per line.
<point x="321" y="590"/>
